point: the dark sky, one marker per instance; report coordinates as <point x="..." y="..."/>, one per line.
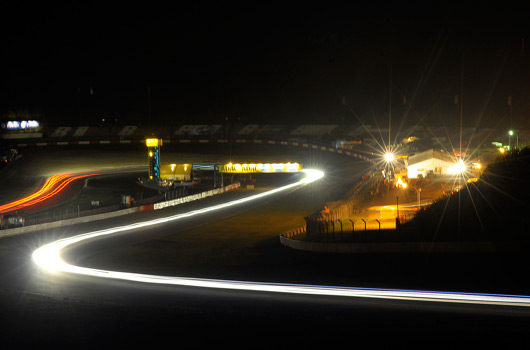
<point x="267" y="63"/>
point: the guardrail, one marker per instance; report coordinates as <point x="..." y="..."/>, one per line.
<point x="107" y="215"/>
<point x="68" y="222"/>
<point x="195" y="197"/>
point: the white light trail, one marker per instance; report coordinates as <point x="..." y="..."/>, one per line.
<point x="48" y="258"/>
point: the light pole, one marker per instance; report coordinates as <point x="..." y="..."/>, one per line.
<point x="511" y="132"/>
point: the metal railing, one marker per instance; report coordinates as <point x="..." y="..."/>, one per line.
<point x="66" y="213"/>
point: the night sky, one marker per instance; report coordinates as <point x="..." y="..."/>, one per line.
<point x="262" y="63"/>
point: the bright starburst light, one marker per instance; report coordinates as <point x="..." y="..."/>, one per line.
<point x="389" y="157"/>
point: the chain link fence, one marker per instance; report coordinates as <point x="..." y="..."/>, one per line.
<point x="349" y="230"/>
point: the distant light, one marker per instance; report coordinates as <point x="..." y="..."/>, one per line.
<point x="458" y="168"/>
<point x="261" y="168"/>
<point x="400" y="183"/>
<point x="502" y="150"/>
<point x="151" y="142"/>
<point x="510" y="132"/>
<point x="21" y="125"/>
<point x="389" y="157"/>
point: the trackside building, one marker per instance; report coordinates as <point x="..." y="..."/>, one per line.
<point x="430" y="162"/>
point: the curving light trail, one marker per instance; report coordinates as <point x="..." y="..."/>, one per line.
<point x="48" y="257"/>
<point x="53" y="185"/>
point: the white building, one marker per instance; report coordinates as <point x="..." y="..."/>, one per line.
<point x="430" y="162"/>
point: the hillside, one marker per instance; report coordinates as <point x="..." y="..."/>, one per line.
<point x="494" y="209"/>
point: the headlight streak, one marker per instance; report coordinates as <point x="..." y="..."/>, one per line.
<point x="48" y="258"/>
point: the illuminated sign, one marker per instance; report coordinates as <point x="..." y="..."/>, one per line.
<point x="175" y="172"/>
<point x="261" y="168"/>
<point x="21" y="125"/>
<point x="151" y="142"/>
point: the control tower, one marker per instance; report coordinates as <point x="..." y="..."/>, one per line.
<point x="153" y="152"/>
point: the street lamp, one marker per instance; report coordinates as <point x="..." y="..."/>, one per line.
<point x="389" y="157"/>
<point x="458" y="168"/>
<point x="510" y="139"/>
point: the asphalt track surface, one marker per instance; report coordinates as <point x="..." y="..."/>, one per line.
<point x="40" y="310"/>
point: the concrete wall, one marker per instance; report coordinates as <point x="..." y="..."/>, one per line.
<point x="397" y="247"/>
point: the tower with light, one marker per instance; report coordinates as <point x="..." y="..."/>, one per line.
<point x="153" y="156"/>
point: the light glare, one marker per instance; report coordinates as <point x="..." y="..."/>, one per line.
<point x="457" y="169"/>
<point x="48" y="257"/>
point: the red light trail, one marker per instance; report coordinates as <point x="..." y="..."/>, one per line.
<point x="53" y="185"/>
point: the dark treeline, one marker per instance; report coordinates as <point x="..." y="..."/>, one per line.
<point x="494" y="209"/>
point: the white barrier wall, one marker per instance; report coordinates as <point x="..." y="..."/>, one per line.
<point x="55" y="224"/>
<point x="83" y="219"/>
<point x="195" y="197"/>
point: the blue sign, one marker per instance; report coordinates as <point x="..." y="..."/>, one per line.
<point x="21" y="125"/>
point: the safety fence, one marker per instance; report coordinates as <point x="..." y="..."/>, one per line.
<point x="339" y="222"/>
<point x="72" y="212"/>
<point x="67" y="218"/>
<point x="349" y="230"/>
<point x="338" y="211"/>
